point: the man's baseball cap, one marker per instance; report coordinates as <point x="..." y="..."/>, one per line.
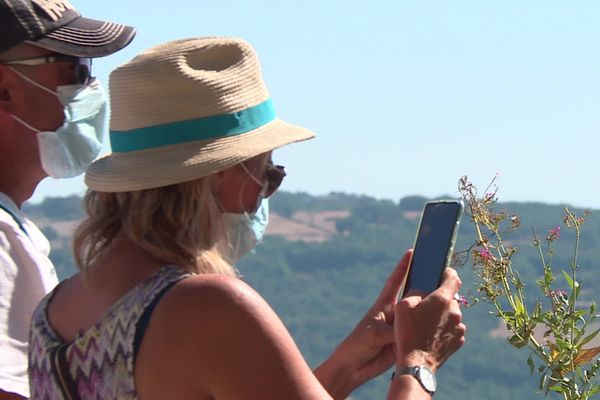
<point x="56" y="25"/>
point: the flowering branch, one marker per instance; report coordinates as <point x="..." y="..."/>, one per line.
<point x="564" y="365"/>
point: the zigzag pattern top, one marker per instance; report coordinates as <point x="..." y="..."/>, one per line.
<point x="100" y="359"/>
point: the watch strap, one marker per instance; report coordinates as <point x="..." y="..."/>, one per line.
<point x="414" y="372"/>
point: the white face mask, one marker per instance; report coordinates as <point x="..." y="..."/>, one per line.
<point x="69" y="150"/>
<point x="245" y="231"/>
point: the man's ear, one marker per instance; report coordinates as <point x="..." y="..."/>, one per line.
<point x="5" y="96"/>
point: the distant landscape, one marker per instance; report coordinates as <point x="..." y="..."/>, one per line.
<point x="325" y="258"/>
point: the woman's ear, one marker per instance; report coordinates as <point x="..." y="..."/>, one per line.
<point x="217" y="180"/>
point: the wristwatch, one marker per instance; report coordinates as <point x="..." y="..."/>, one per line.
<point x="422" y="374"/>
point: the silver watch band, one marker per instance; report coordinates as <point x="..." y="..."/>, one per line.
<point x="422" y="374"/>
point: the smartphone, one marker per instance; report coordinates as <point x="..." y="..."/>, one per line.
<point x="434" y="245"/>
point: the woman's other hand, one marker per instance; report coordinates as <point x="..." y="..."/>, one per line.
<point x="368" y="351"/>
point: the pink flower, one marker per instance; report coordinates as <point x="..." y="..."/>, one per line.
<point x="485" y="253"/>
<point x="558" y="293"/>
<point x="462" y="300"/>
<point x="553" y="234"/>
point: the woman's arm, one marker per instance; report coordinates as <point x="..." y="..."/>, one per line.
<point x="214" y="337"/>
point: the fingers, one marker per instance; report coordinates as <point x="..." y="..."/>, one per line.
<point x="431" y="326"/>
<point x="391" y="290"/>
<point x="381" y="334"/>
<point x="450" y="283"/>
<point x="410" y="301"/>
<point x="454" y="313"/>
<point x="460" y="331"/>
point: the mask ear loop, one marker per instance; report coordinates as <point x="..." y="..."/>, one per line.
<point x="25" y="124"/>
<point x="264" y="186"/>
<point x="31" y="81"/>
<point x="34" y="83"/>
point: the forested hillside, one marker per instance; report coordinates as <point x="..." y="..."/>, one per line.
<point x="325" y="259"/>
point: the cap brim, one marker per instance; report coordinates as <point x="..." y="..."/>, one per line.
<point x="84" y="37"/>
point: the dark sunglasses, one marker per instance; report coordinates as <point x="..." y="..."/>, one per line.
<point x="274" y="175"/>
<point x="83" y="65"/>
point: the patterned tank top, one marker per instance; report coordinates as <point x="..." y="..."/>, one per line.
<point x="100" y="360"/>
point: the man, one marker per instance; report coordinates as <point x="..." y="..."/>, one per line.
<point x="52" y="119"/>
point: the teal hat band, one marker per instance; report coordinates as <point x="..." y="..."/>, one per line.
<point x="205" y="128"/>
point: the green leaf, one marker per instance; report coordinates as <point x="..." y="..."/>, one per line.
<point x="543" y="381"/>
<point x="562" y="344"/>
<point x="548" y="278"/>
<point x="517" y="341"/>
<point x="594" y="390"/>
<point x="557" y="388"/>
<point x="568" y="279"/>
<point x="519" y="307"/>
<point x="541" y="283"/>
<point x="577" y="289"/>
<point x="537" y="309"/>
<point x="531" y="365"/>
<point x="589" y="337"/>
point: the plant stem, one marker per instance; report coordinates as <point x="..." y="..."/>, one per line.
<point x="574" y="277"/>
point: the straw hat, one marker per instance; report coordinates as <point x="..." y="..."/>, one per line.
<point x="187" y="109"/>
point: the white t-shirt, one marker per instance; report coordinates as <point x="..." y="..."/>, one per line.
<point x="26" y="275"/>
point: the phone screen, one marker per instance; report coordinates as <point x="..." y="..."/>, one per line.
<point x="433" y="245"/>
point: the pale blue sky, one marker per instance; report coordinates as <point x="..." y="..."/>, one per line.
<point x="407" y="96"/>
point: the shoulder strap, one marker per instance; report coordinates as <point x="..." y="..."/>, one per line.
<point x="61" y="372"/>
<point x="144" y="320"/>
<point x="17" y="220"/>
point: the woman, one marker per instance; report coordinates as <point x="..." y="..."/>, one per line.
<point x="157" y="311"/>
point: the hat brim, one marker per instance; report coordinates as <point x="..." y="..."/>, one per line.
<point x="85" y="37"/>
<point x="168" y="165"/>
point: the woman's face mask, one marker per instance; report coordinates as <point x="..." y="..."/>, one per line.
<point x="245" y="231"/>
<point x="69" y="150"/>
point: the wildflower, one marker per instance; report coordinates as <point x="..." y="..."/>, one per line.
<point x="515" y="222"/>
<point x="462" y="299"/>
<point x="553" y="234"/>
<point x="485" y="254"/>
<point x="557" y="294"/>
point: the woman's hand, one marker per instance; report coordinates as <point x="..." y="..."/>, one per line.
<point x="430" y="329"/>
<point x="369" y="349"/>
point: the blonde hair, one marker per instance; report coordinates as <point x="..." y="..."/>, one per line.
<point x="180" y="224"/>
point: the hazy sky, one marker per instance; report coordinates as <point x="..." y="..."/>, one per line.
<point x="407" y="96"/>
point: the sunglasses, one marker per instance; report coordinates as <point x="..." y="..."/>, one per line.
<point x="273" y="176"/>
<point x="82" y="71"/>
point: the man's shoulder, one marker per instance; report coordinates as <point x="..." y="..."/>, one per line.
<point x="11" y="220"/>
<point x="9" y="229"/>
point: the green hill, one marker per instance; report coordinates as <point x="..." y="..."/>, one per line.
<point x="325" y="258"/>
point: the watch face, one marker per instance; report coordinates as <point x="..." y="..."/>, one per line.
<point x="427" y="379"/>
